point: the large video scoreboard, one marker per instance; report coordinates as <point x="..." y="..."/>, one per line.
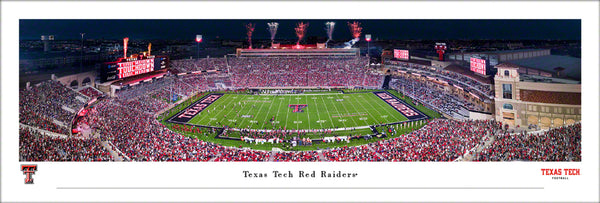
<point x="401" y="54"/>
<point x="478" y="65"/>
<point x="124" y="68"/>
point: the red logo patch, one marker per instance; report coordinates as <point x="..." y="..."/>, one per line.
<point x="28" y="171"/>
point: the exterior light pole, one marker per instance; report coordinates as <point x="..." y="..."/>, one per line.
<point x="81" y="54"/>
<point x="368" y="38"/>
<point x="198" y="40"/>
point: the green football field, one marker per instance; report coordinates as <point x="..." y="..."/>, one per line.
<point x="322" y="111"/>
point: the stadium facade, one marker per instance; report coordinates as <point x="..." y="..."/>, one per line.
<point x="529" y="100"/>
<point x="497" y="57"/>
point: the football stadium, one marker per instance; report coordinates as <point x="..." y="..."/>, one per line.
<point x="279" y="101"/>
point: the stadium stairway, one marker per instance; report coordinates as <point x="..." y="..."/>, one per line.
<point x="377" y="153"/>
<point x="59" y="123"/>
<point x="45" y="132"/>
<point x="321" y="156"/>
<point x="272" y="156"/>
<point x="488" y="140"/>
<point x="113" y="153"/>
<point x="82" y="98"/>
<point x="70" y="110"/>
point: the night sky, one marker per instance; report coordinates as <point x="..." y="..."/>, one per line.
<point x="235" y="29"/>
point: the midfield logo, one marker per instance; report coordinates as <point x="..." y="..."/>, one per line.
<point x="297" y="107"/>
<point x="28" y="170"/>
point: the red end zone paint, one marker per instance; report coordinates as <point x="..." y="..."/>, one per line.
<point x="405" y="109"/>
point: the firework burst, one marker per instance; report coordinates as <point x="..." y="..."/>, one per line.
<point x="250" y="29"/>
<point x="355" y="29"/>
<point x="273" y="30"/>
<point x="329" y="28"/>
<point x="300" y="31"/>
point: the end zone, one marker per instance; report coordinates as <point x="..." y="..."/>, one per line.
<point x="408" y="111"/>
<point x="189" y="112"/>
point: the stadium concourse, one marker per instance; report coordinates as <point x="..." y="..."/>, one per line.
<point x="126" y="128"/>
<point x="470" y="84"/>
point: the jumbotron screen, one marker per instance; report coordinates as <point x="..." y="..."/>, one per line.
<point x="131" y="68"/>
<point x="401" y="54"/>
<point x="478" y="65"/>
<point x="123" y="69"/>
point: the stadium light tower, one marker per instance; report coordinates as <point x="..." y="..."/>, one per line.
<point x="81" y="54"/>
<point x="198" y="40"/>
<point x="368" y="38"/>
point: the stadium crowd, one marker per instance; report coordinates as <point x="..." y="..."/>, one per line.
<point x="558" y="144"/>
<point x="90" y="92"/>
<point x="141" y="138"/>
<point x="298" y="71"/>
<point x="235" y="154"/>
<point x="36" y="146"/>
<point x="154" y="96"/>
<point x="358" y="153"/>
<point x="204" y="64"/>
<point x="50" y="106"/>
<point x="463" y="81"/>
<point x="431" y="94"/>
<point x="439" y="140"/>
<point x="305" y="156"/>
<point x="128" y="121"/>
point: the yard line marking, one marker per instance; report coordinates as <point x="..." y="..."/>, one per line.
<point x="360" y="103"/>
<point x="278" y="112"/>
<point x="318" y="113"/>
<point x="327" y="109"/>
<point x="370" y="114"/>
<point x="336" y="109"/>
<point x="213" y="113"/>
<point x="250" y="110"/>
<point x="395" y="112"/>
<point x="228" y="112"/>
<point x="287" y="113"/>
<point x="297" y="114"/>
<point x="267" y="114"/>
<point x="347" y="112"/>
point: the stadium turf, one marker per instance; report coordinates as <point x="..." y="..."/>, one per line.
<point x="322" y="111"/>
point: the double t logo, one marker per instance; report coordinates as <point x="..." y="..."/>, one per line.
<point x="29" y="170"/>
<point x="297" y="107"/>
